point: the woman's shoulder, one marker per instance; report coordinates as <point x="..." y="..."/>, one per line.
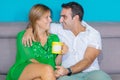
<point x="21" y="33"/>
<point x="53" y="36"/>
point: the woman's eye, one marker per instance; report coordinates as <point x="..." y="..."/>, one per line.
<point x="47" y="17"/>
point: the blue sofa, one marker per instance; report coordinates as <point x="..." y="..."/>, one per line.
<point x="108" y="59"/>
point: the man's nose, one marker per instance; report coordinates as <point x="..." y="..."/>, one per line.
<point x="61" y="20"/>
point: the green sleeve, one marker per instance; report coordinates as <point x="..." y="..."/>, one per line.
<point x="23" y="53"/>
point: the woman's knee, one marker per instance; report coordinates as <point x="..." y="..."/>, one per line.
<point x="34" y="69"/>
<point x="43" y="68"/>
<point x="48" y="67"/>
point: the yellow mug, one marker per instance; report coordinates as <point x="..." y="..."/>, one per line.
<point x="57" y="47"/>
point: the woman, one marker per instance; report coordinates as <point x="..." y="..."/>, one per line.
<point x="32" y="62"/>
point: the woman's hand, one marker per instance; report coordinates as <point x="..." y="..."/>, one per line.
<point x="60" y="71"/>
<point x="28" y="37"/>
<point x="64" y="49"/>
<point x="34" y="61"/>
<point x="59" y="56"/>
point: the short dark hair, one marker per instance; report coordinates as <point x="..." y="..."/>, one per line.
<point x="76" y="8"/>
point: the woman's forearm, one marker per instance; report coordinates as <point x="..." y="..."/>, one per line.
<point x="58" y="59"/>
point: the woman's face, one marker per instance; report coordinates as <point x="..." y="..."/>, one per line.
<point x="44" y="21"/>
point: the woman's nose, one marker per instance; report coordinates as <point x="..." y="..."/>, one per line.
<point x="50" y="19"/>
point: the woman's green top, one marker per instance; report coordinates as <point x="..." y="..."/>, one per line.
<point x="43" y="54"/>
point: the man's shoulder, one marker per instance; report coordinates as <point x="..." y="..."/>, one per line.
<point x="93" y="30"/>
<point x="90" y="28"/>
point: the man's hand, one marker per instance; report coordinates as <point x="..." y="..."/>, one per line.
<point x="28" y="37"/>
<point x="61" y="71"/>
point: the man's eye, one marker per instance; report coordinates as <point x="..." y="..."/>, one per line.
<point x="64" y="17"/>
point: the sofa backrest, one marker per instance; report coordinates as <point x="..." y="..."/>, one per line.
<point x="109" y="58"/>
<point x="8" y="32"/>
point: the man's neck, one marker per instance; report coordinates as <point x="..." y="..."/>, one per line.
<point x="78" y="28"/>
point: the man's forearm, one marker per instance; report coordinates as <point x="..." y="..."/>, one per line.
<point x="80" y="66"/>
<point x="28" y="37"/>
<point x="90" y="55"/>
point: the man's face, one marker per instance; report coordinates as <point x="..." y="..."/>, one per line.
<point x="66" y="18"/>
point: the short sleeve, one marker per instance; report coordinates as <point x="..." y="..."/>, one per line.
<point x="95" y="40"/>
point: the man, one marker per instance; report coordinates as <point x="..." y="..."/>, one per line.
<point x="84" y="42"/>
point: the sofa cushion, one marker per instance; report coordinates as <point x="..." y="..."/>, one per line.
<point x="7" y="54"/>
<point x="2" y="77"/>
<point x="111" y="53"/>
<point x="115" y="76"/>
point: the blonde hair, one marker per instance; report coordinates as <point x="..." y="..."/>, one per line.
<point x="35" y="14"/>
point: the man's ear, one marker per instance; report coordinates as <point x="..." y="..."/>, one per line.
<point x="76" y="17"/>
